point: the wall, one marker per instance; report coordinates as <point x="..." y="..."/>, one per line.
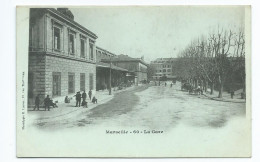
<point x="43" y="59"/>
<point x="65" y="66"/>
<point x="36" y="77"/>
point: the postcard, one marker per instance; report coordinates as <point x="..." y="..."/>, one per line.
<point x="133" y="81"/>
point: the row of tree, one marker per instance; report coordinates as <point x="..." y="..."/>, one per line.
<point x="216" y="61"/>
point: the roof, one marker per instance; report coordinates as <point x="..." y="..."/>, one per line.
<point x="104" y="50"/>
<point x="54" y="11"/>
<point x="106" y="65"/>
<point x="164" y="60"/>
<point x="124" y="58"/>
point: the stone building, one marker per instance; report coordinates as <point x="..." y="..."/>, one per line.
<point x="163" y="67"/>
<point x="62" y="55"/>
<point x="137" y="68"/>
<point x="118" y="74"/>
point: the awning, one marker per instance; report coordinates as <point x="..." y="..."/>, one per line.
<point x="106" y="65"/>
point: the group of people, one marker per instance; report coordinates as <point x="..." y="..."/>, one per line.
<point x="165" y="83"/>
<point x="47" y="103"/>
<point x="84" y="97"/>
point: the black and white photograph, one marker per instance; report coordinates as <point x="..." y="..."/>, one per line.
<point x="133" y="81"/>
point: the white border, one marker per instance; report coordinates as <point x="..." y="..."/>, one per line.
<point x="8" y="51"/>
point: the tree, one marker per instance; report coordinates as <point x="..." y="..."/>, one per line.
<point x="150" y="72"/>
<point x="211" y="60"/>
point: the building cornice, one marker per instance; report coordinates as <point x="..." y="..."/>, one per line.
<point x="62" y="56"/>
<point x="72" y="22"/>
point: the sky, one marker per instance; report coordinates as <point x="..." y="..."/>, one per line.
<point x="154" y="32"/>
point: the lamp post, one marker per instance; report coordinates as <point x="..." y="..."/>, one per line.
<point x="110" y="77"/>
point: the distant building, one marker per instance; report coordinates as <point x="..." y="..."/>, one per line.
<point x="62" y="55"/>
<point x="137" y="68"/>
<point x="163" y="67"/>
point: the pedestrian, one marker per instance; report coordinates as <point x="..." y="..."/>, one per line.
<point x="165" y="84"/>
<point x="78" y="99"/>
<point x="84" y="96"/>
<point x="171" y="84"/>
<point x="37" y="103"/>
<point x="47" y="101"/>
<point x="90" y="94"/>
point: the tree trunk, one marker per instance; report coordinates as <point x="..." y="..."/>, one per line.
<point x="220" y="88"/>
<point x="206" y="86"/>
<point x="243" y="95"/>
<point x="212" y="88"/>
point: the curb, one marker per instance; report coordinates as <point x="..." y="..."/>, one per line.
<point x="223" y="100"/>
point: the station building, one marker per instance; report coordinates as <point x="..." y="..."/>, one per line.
<point x="105" y="69"/>
<point x="137" y="68"/>
<point x="62" y="55"/>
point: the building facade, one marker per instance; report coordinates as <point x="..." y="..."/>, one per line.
<point x="136" y="67"/>
<point x="62" y="55"/>
<point x="105" y="69"/>
<point x="163" y="67"/>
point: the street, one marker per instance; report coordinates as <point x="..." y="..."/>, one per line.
<point x="155" y="107"/>
<point x="163" y="118"/>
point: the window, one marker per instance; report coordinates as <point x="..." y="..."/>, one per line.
<point x="168" y="70"/>
<point x="82" y="81"/>
<point x="56" y="38"/>
<point x="160" y="70"/>
<point x="91" y="81"/>
<point x="169" y="66"/>
<point x="71" y="44"/>
<point x="56" y="84"/>
<point x="164" y="70"/>
<point x="91" y="50"/>
<point x="71" y="82"/>
<point x="82" y="48"/>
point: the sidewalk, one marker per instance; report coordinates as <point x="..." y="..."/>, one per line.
<point x="68" y="110"/>
<point x="226" y="97"/>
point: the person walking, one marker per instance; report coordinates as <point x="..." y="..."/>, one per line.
<point x="90" y="94"/>
<point x="37" y="103"/>
<point x="84" y="96"/>
<point x="78" y="99"/>
<point x="47" y="101"/>
<point x="171" y="84"/>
